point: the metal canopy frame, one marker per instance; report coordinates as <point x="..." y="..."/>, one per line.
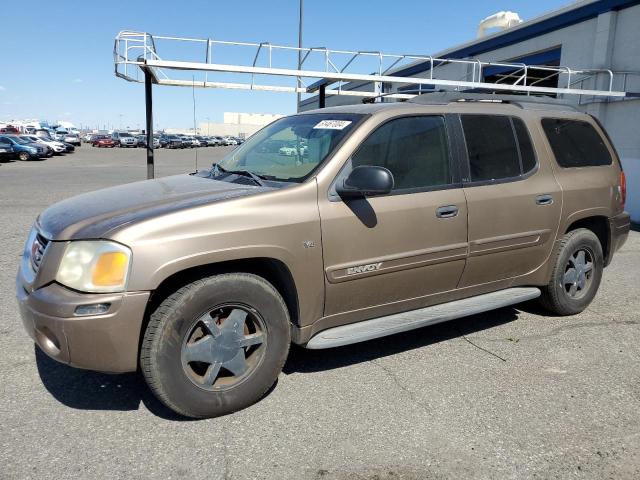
<point x="137" y="52"/>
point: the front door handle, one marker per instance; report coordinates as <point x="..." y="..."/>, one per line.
<point x="545" y="199"/>
<point x="447" y="211"/>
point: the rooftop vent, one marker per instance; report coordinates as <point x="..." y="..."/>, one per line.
<point x="500" y="20"/>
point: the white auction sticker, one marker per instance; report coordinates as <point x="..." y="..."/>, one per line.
<point x="333" y="124"/>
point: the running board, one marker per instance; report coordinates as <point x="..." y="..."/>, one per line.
<point x="402" y="322"/>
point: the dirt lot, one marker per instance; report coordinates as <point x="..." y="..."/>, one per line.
<point x="508" y="394"/>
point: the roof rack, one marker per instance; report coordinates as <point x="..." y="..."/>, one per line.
<point x="522" y="101"/>
<point x="137" y="58"/>
<point x="324" y="67"/>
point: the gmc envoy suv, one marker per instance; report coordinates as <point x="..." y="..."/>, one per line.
<point x="385" y="218"/>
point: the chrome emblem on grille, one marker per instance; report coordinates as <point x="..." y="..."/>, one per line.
<point x="37" y="252"/>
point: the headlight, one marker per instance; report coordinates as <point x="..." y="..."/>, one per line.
<point x="32" y="149"/>
<point x="95" y="266"/>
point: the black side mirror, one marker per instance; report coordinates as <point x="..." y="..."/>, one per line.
<point x="366" y="181"/>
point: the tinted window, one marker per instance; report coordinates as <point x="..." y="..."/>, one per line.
<point x="524" y="142"/>
<point x="491" y="145"/>
<point x="414" y="149"/>
<point x="575" y="143"/>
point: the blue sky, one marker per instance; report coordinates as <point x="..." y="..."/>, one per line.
<point x="58" y="62"/>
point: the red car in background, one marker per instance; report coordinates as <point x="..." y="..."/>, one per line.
<point x="103" y="141"/>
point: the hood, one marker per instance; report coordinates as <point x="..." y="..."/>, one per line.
<point x="95" y="214"/>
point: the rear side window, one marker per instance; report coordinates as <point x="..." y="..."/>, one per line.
<point x="414" y="149"/>
<point x="498" y="146"/>
<point x="575" y="143"/>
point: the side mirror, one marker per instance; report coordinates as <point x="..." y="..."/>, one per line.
<point x="366" y="181"/>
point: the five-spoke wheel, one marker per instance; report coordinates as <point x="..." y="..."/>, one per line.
<point x="216" y="345"/>
<point x="223" y="347"/>
<point x="576" y="273"/>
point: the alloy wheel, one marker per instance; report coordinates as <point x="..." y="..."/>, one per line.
<point x="223" y="347"/>
<point x="578" y="273"/>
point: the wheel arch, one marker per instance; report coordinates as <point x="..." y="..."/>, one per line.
<point x="599" y="225"/>
<point x="272" y="270"/>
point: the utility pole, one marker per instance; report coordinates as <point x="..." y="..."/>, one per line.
<point x="298" y="82"/>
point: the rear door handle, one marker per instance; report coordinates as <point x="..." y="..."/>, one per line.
<point x="447" y="211"/>
<point x="545" y="199"/>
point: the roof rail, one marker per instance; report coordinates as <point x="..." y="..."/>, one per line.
<point x="522" y="101"/>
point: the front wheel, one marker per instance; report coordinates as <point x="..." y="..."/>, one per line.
<point x="24" y="156"/>
<point x="216" y="345"/>
<point x="576" y="274"/>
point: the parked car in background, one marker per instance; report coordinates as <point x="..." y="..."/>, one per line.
<point x="23" y="149"/>
<point x="229" y="141"/>
<point x="87" y="137"/>
<point x="124" y="139"/>
<point x="204" y="141"/>
<point x="102" y="141"/>
<point x="6" y="150"/>
<point x="194" y="142"/>
<point x="56" y="146"/>
<point x="142" y="141"/>
<point x="170" y="141"/>
<point x="70" y="148"/>
<point x="186" y="141"/>
<point x="9" y="129"/>
<point x="68" y="137"/>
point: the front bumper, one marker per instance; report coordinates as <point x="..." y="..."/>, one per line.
<point x="106" y="343"/>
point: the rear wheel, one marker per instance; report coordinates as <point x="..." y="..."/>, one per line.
<point x="216" y="345"/>
<point x="576" y="274"/>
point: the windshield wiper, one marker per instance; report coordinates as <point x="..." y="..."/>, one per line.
<point x="245" y="173"/>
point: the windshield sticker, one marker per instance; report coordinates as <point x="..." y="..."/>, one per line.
<point x="333" y="124"/>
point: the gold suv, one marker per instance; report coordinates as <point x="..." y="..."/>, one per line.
<point x="323" y="229"/>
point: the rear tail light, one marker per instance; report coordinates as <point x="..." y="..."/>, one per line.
<point x="622" y="188"/>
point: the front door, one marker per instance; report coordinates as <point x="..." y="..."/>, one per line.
<point x="387" y="254"/>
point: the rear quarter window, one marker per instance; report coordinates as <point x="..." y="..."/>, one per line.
<point x="575" y="143"/>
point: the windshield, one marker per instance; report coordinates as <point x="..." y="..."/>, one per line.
<point x="124" y="134"/>
<point x="292" y="147"/>
<point x="19" y="140"/>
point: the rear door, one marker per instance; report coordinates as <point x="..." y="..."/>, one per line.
<point x="389" y="253"/>
<point x="513" y="198"/>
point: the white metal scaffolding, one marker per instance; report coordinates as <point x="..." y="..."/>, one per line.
<point x="267" y="67"/>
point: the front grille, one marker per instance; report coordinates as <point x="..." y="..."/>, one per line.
<point x="38" y="248"/>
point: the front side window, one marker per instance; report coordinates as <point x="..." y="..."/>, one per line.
<point x="291" y="148"/>
<point x="414" y="149"/>
<point x="575" y="143"/>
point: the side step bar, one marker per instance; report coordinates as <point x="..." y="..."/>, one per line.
<point x="402" y="322"/>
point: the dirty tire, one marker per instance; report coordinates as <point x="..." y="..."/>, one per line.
<point x="171" y="324"/>
<point x="556" y="296"/>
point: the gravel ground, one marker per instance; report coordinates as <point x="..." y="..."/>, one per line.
<point x="508" y="394"/>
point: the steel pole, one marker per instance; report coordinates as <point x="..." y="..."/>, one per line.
<point x="148" y="103"/>
<point x="298" y="83"/>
